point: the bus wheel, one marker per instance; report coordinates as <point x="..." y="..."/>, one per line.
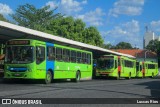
<point x="48" y="78"/>
<point x="129" y="77"/>
<point x="118" y="76"/>
<point x="152" y="75"/>
<point x="78" y="76"/>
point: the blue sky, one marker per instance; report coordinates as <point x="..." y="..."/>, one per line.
<point x="116" y="20"/>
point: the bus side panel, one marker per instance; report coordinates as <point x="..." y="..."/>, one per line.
<point x="64" y="70"/>
<point x="60" y="70"/>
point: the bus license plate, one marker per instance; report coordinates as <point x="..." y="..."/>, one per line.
<point x="17" y="74"/>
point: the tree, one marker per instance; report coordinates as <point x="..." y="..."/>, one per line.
<point x="2" y="18"/>
<point x="75" y="29"/>
<point x="67" y="27"/>
<point x="123" y="45"/>
<point x="92" y="36"/>
<point x="29" y="16"/>
<point x="107" y="46"/>
<point x="154" y="45"/>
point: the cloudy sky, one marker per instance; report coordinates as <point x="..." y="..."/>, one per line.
<point x="116" y="20"/>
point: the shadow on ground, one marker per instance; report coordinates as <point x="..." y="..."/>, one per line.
<point x="31" y="81"/>
<point x="154" y="87"/>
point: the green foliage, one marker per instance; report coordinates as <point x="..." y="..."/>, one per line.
<point x="123" y="45"/>
<point x="75" y="29"/>
<point x="107" y="46"/>
<point x="2" y="18"/>
<point x="67" y="27"/>
<point x="29" y="16"/>
<point x="92" y="36"/>
<point x="154" y="45"/>
<point x="120" y="45"/>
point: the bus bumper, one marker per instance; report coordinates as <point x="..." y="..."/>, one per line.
<point x="25" y="75"/>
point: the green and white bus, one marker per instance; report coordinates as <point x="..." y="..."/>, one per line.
<point x="33" y="59"/>
<point x="147" y="69"/>
<point x="115" y="66"/>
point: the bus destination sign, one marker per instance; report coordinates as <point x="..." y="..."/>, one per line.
<point x="19" y="42"/>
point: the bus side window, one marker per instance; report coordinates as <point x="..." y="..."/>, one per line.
<point x="79" y="57"/>
<point x="84" y="58"/>
<point x="40" y="54"/>
<point x="151" y="66"/>
<point x="88" y="58"/>
<point x="66" y="55"/>
<point x="59" y="54"/>
<point x="50" y="53"/>
<point x="73" y="56"/>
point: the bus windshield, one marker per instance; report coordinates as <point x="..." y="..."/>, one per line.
<point x="19" y="54"/>
<point x="105" y="63"/>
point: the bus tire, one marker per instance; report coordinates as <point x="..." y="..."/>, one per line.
<point x="48" y="78"/>
<point x="152" y="75"/>
<point x="78" y="76"/>
<point x="129" y="77"/>
<point x="118" y="76"/>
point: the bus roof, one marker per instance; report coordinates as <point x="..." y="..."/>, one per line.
<point x="11" y="31"/>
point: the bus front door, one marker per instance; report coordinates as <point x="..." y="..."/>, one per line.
<point x="40" y="60"/>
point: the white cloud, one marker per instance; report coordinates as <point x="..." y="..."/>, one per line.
<point x="127" y="32"/>
<point x="52" y="4"/>
<point x="5" y="9"/>
<point x="132" y="26"/>
<point x="67" y="7"/>
<point x="127" y="7"/>
<point x="155" y="25"/>
<point x="128" y="29"/>
<point x="93" y="17"/>
<point x="84" y="2"/>
<point x="72" y="7"/>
